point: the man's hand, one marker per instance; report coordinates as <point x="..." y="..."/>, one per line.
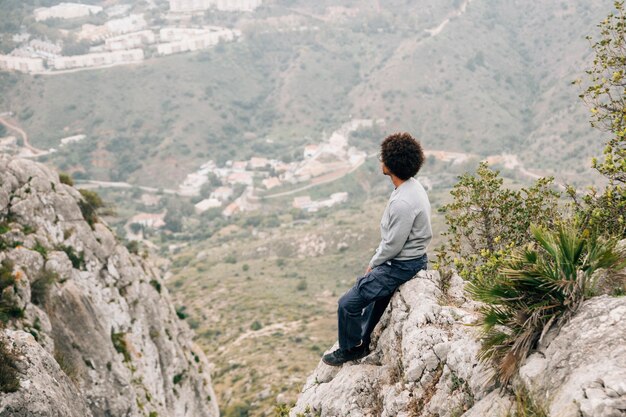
<point x="368" y="270"/>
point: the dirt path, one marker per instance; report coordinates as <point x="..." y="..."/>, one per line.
<point x="27" y="145"/>
<point x="441" y="26"/>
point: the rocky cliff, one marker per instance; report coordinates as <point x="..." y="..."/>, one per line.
<point x="424" y="364"/>
<point x="90" y="326"/>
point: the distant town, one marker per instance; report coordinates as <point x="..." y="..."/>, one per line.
<point x="123" y="37"/>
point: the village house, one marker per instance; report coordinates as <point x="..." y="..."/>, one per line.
<point x="239" y="165"/>
<point x="222" y="193"/>
<point x="45" y="48"/>
<point x="98" y="59"/>
<point x="271" y="182"/>
<point x="197" y="42"/>
<point x="302" y="202"/>
<point x="201" y="5"/>
<point x="131" y="23"/>
<point x="258" y="163"/>
<point x="149" y="220"/>
<point x="231" y="209"/>
<point x="207" y="204"/>
<point x="22" y="64"/>
<point x="65" y="11"/>
<point x="242" y="177"/>
<point x="130" y="40"/>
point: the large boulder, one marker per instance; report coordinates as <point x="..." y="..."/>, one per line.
<point x="98" y="310"/>
<point x="424" y="363"/>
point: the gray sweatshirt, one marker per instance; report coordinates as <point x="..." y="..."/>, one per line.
<point x="405" y="228"/>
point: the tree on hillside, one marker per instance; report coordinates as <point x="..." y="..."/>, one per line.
<point x="605" y="94"/>
<point x="486" y="221"/>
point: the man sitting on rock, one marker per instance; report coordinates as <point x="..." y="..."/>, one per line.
<point x="405" y="234"/>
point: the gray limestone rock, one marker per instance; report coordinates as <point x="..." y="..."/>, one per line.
<point x="424" y="363"/>
<point x="106" y="317"/>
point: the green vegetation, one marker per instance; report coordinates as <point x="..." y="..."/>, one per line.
<point x="121" y="345"/>
<point x="77" y="259"/>
<point x="40" y="288"/>
<point x="156" y="284"/>
<point x="539" y="286"/>
<point x="526" y="406"/>
<point x="486" y="221"/>
<point x="66" y="179"/>
<point x="9" y="381"/>
<point x="89" y="205"/>
<point x="9" y="309"/>
<point x="604" y="212"/>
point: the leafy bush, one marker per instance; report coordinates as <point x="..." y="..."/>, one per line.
<point x="486" y="221"/>
<point x="66" y="179"/>
<point x="9" y="382"/>
<point x="89" y="205"/>
<point x="121" y="345"/>
<point x="605" y="212"/>
<point x="40" y="288"/>
<point x="77" y="259"/>
<point x="8" y="306"/>
<point x="538" y="286"/>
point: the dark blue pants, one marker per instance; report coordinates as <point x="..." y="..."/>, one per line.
<point x="363" y="305"/>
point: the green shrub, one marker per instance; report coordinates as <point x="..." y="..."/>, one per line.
<point x="8" y="305"/>
<point x="538" y="287"/>
<point x="89" y="205"/>
<point x="77" y="259"/>
<point x="256" y="325"/>
<point x="66" y="179"/>
<point x="41" y="249"/>
<point x="526" y="406"/>
<point x="9" y="381"/>
<point x="133" y="246"/>
<point x="604" y="212"/>
<point x="486" y="221"/>
<point x="156" y="284"/>
<point x="121" y="345"/>
<point x="180" y="312"/>
<point x="178" y="377"/>
<point x="40" y="287"/>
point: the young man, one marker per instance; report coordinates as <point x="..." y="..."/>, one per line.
<point x="405" y="234"/>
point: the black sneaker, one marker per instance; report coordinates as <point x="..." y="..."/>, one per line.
<point x="341" y="356"/>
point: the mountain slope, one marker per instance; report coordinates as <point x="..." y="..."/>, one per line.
<point x="100" y="311"/>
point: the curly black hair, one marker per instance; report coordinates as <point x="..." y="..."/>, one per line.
<point x="402" y="155"/>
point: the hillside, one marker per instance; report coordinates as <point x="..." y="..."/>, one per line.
<point x="476" y="76"/>
<point x="89" y="326"/>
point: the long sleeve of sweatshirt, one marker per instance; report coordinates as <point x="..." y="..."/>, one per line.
<point x="405" y="229"/>
<point x="395" y="228"/>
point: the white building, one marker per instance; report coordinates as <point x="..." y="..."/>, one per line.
<point x="207" y="204"/>
<point x="65" y="11"/>
<point x="200" y="5"/>
<point x="196" y="42"/>
<point x="222" y="193"/>
<point x="172" y="34"/>
<point x="47" y="48"/>
<point x="98" y="59"/>
<point x="22" y="64"/>
<point x="131" y="23"/>
<point x="130" y="40"/>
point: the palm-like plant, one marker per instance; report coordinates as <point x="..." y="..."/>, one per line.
<point x="538" y="287"/>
